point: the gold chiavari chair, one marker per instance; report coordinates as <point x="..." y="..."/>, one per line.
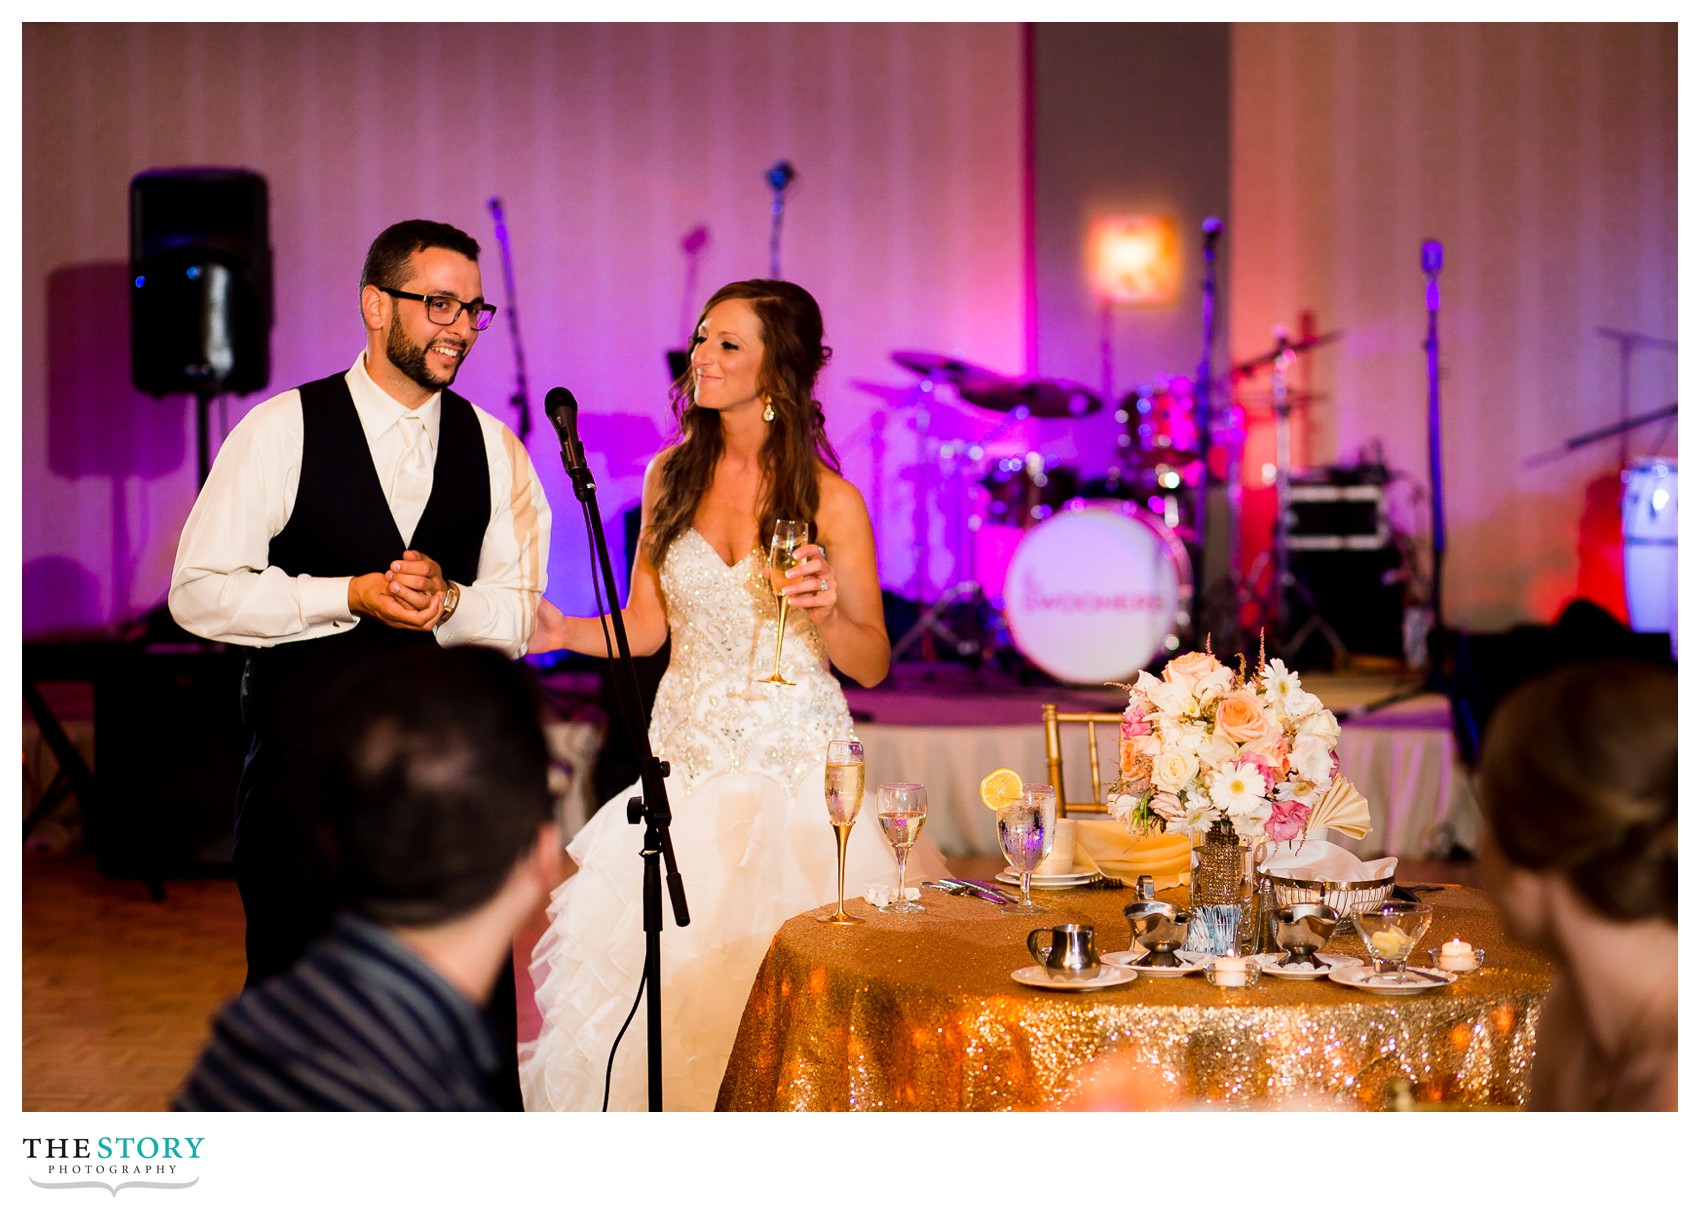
<point x="1097" y="767"/>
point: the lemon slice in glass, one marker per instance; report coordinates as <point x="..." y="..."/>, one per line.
<point x="1000" y="789"/>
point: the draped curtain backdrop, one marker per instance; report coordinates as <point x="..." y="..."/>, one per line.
<point x="1543" y="157"/>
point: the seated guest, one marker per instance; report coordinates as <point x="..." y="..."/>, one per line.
<point x="1578" y="785"/>
<point x="442" y="823"/>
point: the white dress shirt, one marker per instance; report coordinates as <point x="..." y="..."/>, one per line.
<point x="224" y="588"/>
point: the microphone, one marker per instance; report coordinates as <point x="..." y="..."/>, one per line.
<point x="1431" y="256"/>
<point x="781" y="175"/>
<point x="1212" y="229"/>
<point x="563" y="415"/>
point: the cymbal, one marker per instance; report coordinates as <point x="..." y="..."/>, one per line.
<point x="1294" y="347"/>
<point x="940" y="366"/>
<point x="1041" y="397"/>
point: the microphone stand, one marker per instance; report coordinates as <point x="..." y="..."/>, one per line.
<point x="521" y="399"/>
<point x="651" y="808"/>
<point x="779" y="178"/>
<point x="1202" y="381"/>
<point x="1434" y="650"/>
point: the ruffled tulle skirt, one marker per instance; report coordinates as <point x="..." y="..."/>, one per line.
<point x="750" y="857"/>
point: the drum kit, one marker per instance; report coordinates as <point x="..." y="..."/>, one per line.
<point x="1087" y="574"/>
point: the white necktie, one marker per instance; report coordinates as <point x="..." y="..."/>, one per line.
<point x="411" y="487"/>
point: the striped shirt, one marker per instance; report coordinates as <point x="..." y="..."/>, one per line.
<point x="359" y="1024"/>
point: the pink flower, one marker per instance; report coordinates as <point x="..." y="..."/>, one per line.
<point x="1286" y="820"/>
<point x="1135" y="726"/>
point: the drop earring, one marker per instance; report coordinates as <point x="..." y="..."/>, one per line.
<point x="767" y="413"/>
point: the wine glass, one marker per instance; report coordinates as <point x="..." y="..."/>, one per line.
<point x="1390" y="930"/>
<point x="1027" y="830"/>
<point x="903" y="811"/>
<point x="844" y="776"/>
<point x="788" y="536"/>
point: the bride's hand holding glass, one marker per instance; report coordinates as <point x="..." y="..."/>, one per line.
<point x="811" y="585"/>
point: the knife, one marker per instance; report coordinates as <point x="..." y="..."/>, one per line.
<point x="967" y="890"/>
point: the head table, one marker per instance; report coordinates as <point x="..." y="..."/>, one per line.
<point x="919" y="1013"/>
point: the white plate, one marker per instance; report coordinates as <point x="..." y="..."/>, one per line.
<point x="1270" y="963"/>
<point x="1190" y="962"/>
<point x="1065" y="880"/>
<point x="1362" y="977"/>
<point x="1109" y="976"/>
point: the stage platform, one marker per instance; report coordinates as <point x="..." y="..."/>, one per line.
<point x="947" y="726"/>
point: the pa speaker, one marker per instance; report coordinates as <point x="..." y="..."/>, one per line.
<point x="201" y="281"/>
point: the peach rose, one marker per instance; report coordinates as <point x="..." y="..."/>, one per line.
<point x="1188" y="668"/>
<point x="1239" y="717"/>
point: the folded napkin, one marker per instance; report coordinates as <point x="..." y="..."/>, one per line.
<point x="1342" y="808"/>
<point x="1318" y="860"/>
<point x="1166" y="858"/>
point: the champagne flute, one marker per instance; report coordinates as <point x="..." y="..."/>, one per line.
<point x="844" y="783"/>
<point x="903" y="811"/>
<point x="788" y="536"/>
<point x="1027" y="830"/>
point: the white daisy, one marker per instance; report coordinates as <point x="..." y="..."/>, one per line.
<point x="1238" y="788"/>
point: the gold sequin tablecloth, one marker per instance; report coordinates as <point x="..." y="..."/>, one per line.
<point x="918" y="1013"/>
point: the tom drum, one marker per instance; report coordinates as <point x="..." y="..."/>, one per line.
<point x="1097" y="593"/>
<point x="1649" y="545"/>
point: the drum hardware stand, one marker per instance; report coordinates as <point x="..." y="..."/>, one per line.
<point x="1627" y="343"/>
<point x="1285" y="580"/>
<point x="967" y="589"/>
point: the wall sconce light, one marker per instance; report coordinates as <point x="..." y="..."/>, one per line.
<point x="1134" y="259"/>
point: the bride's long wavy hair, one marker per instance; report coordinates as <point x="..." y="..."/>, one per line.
<point x="791" y="333"/>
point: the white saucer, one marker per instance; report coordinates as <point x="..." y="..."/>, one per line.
<point x="1109" y="976"/>
<point x="1064" y="880"/>
<point x="1361" y="976"/>
<point x="1190" y="962"/>
<point x="1270" y="963"/>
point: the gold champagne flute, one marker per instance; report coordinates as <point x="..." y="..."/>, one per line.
<point x="788" y="536"/>
<point x="844" y="783"/>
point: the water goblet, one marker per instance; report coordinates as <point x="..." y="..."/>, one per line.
<point x="788" y="536"/>
<point x="844" y="783"/>
<point x="903" y="811"/>
<point x="1390" y="930"/>
<point x="1026" y="833"/>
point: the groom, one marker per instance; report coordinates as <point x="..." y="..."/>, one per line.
<point x="360" y="515"/>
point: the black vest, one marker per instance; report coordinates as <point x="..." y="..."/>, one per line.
<point x="341" y="526"/>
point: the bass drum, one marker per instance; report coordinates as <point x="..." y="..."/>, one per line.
<point x="1096" y="593"/>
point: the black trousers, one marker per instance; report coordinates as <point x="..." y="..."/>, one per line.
<point x="290" y="891"/>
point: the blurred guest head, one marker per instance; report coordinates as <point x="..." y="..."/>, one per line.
<point x="1578" y="779"/>
<point x="1578" y="784"/>
<point x="439" y="783"/>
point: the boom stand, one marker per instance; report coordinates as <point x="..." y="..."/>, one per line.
<point x="651" y="807"/>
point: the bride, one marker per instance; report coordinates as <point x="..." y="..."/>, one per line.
<point x="747" y="757"/>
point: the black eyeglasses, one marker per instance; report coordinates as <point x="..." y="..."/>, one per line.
<point x="446" y="309"/>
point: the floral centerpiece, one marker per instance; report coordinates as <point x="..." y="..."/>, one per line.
<point x="1207" y="743"/>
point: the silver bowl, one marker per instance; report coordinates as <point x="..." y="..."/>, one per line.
<point x="1301" y="929"/>
<point x="1160" y="928"/>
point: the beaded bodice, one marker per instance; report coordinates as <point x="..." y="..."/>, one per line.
<point x="712" y="712"/>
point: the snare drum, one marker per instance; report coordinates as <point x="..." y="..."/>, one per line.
<point x="1098" y="593"/>
<point x="1649" y="545"/>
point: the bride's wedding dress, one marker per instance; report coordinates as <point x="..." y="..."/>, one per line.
<point x="750" y="833"/>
